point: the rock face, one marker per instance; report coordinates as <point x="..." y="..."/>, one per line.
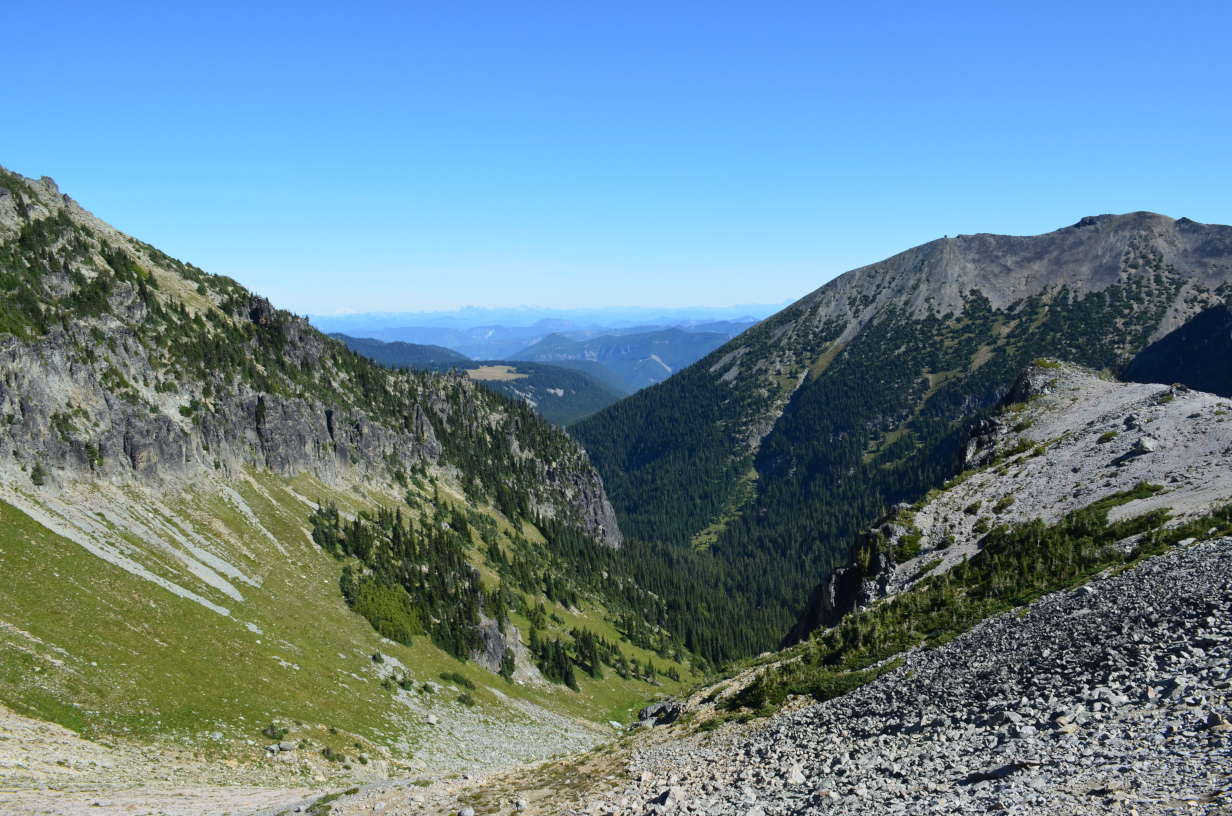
<point x="497" y="644"/>
<point x="1198" y="354"/>
<point x="129" y="366"/>
<point x="1111" y="698"/>
<point x="161" y="448"/>
<point x="867" y="577"/>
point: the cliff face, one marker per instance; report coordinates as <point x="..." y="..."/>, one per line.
<point x="123" y="364"/>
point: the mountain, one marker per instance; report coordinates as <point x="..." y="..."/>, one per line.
<point x="1197" y="354"/>
<point x="363" y="324"/>
<point x="402" y="355"/>
<point x="599" y="372"/>
<point x="562" y="396"/>
<point x="477" y="342"/>
<point x="640" y="359"/>
<point x="222" y="529"/>
<point x="494" y="342"/>
<point x="773" y="451"/>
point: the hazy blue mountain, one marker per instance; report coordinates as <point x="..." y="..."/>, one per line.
<point x="493" y="342"/>
<point x="363" y="324"/>
<point x="640" y="359"/>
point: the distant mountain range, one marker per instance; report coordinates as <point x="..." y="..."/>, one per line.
<point x="403" y="355"/>
<point x="364" y="324"/>
<point x="498" y="342"/>
<point x="641" y="359"/>
<point x="638" y="355"/>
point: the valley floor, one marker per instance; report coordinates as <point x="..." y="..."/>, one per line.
<point x="1110" y="698"/>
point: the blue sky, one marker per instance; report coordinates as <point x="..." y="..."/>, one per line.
<point x="409" y="157"/>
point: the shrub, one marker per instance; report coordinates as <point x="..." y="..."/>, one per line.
<point x="973" y="509"/>
<point x="1106" y="437"/>
<point x="390" y="611"/>
<point x="37" y="474"/>
<point x="908" y="547"/>
<point x="1003" y="504"/>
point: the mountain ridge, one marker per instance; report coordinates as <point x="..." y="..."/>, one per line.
<point x="778" y="447"/>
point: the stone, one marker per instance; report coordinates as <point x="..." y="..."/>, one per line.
<point x="1146" y="444"/>
<point x="466" y="811"/>
<point x="430" y="719"/>
<point x="286" y="746"/>
<point x="519" y="805"/>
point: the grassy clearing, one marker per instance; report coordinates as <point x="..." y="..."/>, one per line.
<point x="495" y="373"/>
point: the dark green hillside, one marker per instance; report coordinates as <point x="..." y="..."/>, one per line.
<point x="1198" y="354"/>
<point x="558" y="394"/>
<point x="562" y="396"/>
<point x="403" y="355"/>
<point x="599" y="372"/>
<point x="877" y="420"/>
<point x="639" y="359"/>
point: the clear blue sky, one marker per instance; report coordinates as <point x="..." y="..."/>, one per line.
<point x="427" y="156"/>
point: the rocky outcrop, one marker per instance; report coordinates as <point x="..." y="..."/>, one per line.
<point x="497" y="644"/>
<point x="867" y="577"/>
<point x="59" y="413"/>
<point x="985" y="436"/>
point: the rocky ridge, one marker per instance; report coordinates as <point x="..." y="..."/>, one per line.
<point x="1064" y="437"/>
<point x="109" y="391"/>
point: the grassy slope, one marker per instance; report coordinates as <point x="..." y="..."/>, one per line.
<point x="119" y="655"/>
